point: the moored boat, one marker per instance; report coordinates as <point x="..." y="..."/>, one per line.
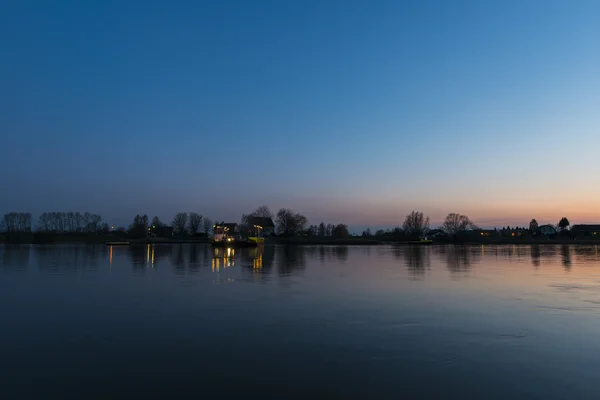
<point x="422" y="241"/>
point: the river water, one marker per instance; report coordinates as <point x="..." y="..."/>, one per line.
<point x="183" y="321"/>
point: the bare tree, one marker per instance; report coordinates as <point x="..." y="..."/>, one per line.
<point x="156" y="222"/>
<point x="180" y="222"/>
<point x="78" y="221"/>
<point x="456" y="223"/>
<point x="322" y="229"/>
<point x="195" y="221"/>
<point x="86" y="220"/>
<point x="44" y="222"/>
<point x="262" y="211"/>
<point x="416" y="224"/>
<point x="17" y="222"/>
<point x="207" y="225"/>
<point x="329" y="230"/>
<point x="289" y="222"/>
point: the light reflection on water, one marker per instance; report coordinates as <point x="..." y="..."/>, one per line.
<point x="374" y="322"/>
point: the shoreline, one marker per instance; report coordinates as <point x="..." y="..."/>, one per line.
<point x="36" y="238"/>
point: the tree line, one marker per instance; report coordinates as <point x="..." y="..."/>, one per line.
<point x="183" y="224"/>
<point x="56" y="222"/>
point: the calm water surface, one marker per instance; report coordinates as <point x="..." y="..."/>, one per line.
<point x="178" y="321"/>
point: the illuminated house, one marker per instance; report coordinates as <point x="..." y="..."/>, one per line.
<point x="259" y="226"/>
<point x="223" y="231"/>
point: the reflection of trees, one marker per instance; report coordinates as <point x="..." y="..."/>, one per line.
<point x="178" y="260"/>
<point x="341" y="253"/>
<point x="15" y="256"/>
<point x="291" y="259"/>
<point x="565" y="251"/>
<point x="327" y="253"/>
<point x="459" y="258"/>
<point x="535" y="255"/>
<point x="64" y="258"/>
<point x="147" y="255"/>
<point x="416" y="259"/>
<point x="194" y="260"/>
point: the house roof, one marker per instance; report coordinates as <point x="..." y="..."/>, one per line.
<point x="265" y="222"/>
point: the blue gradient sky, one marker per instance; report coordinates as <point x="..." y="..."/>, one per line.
<point x="347" y="111"/>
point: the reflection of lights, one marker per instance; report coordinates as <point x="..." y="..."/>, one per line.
<point x="153" y="256"/>
<point x="258" y="262"/>
<point x="148" y="254"/>
<point x="110" y="256"/>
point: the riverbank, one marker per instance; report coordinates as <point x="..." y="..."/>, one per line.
<point x="93" y="238"/>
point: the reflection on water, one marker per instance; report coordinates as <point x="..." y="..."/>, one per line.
<point x="289" y="260"/>
<point x="459" y="259"/>
<point x="566" y="256"/>
<point x="482" y="322"/>
<point x="535" y="255"/>
<point x="416" y="258"/>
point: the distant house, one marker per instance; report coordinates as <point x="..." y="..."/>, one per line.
<point x="547" y="230"/>
<point x="489" y="233"/>
<point x="160" y="231"/>
<point x="435" y="233"/>
<point x="585" y="230"/>
<point x="514" y="232"/>
<point x="261" y="226"/>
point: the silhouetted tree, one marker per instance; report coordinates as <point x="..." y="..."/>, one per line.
<point x="156" y="222"/>
<point x="416" y="225"/>
<point x="289" y="222"/>
<point x="329" y="229"/>
<point x="139" y="227"/>
<point x="340" y="231"/>
<point x="379" y="232"/>
<point x="533" y="226"/>
<point x="17" y="222"/>
<point x="322" y="229"/>
<point x="262" y="211"/>
<point x="195" y="221"/>
<point x="103" y="228"/>
<point x="180" y="222"/>
<point x="456" y="223"/>
<point x="563" y="224"/>
<point x="207" y="225"/>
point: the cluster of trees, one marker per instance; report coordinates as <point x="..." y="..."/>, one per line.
<point x="416" y="225"/>
<point x="330" y="230"/>
<point x="183" y="224"/>
<point x="62" y="222"/>
<point x="16" y="222"/>
<point x="289" y="223"/>
<point x="55" y="222"/>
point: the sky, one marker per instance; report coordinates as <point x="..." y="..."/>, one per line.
<point x="346" y="111"/>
